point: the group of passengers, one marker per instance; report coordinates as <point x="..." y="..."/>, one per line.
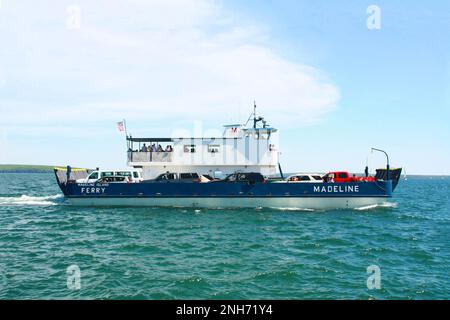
<point x="154" y="148"/>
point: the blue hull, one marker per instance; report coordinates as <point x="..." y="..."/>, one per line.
<point x="227" y="189"/>
<point x="310" y="195"/>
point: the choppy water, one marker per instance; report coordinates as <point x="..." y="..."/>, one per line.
<point x="154" y="253"/>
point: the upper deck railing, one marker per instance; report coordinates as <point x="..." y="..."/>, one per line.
<point x="139" y="156"/>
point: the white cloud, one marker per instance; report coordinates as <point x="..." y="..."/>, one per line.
<point x="147" y="60"/>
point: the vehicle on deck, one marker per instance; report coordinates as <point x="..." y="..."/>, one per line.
<point x="187" y="177"/>
<point x="113" y="179"/>
<point x="337" y="177"/>
<point x="248" y="177"/>
<point x="344" y="176"/>
<point x="305" y="178"/>
<point x="113" y="175"/>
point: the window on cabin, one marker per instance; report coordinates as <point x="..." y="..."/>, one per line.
<point x="304" y="178"/>
<point x="189" y="148"/>
<point x="342" y="175"/>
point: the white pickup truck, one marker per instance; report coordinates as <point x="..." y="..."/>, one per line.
<point x="124" y="176"/>
<point x="305" y="178"/>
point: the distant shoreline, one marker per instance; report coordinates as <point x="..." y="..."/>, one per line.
<point x="25" y="171"/>
<point x="24" y="168"/>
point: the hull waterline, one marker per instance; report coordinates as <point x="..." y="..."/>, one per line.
<point x="196" y="202"/>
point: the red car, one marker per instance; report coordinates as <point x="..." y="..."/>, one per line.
<point x="344" y="176"/>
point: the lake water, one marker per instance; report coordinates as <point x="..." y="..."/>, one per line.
<point x="173" y="253"/>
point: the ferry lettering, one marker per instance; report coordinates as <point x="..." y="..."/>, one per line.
<point x="336" y="189"/>
<point x="93" y="190"/>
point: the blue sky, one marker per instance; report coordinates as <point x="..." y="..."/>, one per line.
<point x="333" y="87"/>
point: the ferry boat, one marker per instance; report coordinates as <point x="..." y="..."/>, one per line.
<point x="236" y="169"/>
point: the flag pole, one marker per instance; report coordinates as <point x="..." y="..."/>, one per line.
<point x="126" y="133"/>
<point x="125" y="126"/>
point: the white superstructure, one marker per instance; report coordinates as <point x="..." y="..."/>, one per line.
<point x="240" y="148"/>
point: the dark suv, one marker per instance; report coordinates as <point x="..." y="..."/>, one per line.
<point x="249" y="177"/>
<point x="175" y="177"/>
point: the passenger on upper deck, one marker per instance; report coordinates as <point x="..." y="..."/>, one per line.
<point x="160" y="148"/>
<point x="153" y="149"/>
<point x="144" y="148"/>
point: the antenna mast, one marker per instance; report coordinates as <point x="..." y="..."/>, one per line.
<point x="254" y="114"/>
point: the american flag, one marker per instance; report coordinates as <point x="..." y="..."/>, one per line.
<point x="120" y="126"/>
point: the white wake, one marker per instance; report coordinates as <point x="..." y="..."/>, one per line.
<point x="379" y="205"/>
<point x="293" y="209"/>
<point x="25" y="200"/>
